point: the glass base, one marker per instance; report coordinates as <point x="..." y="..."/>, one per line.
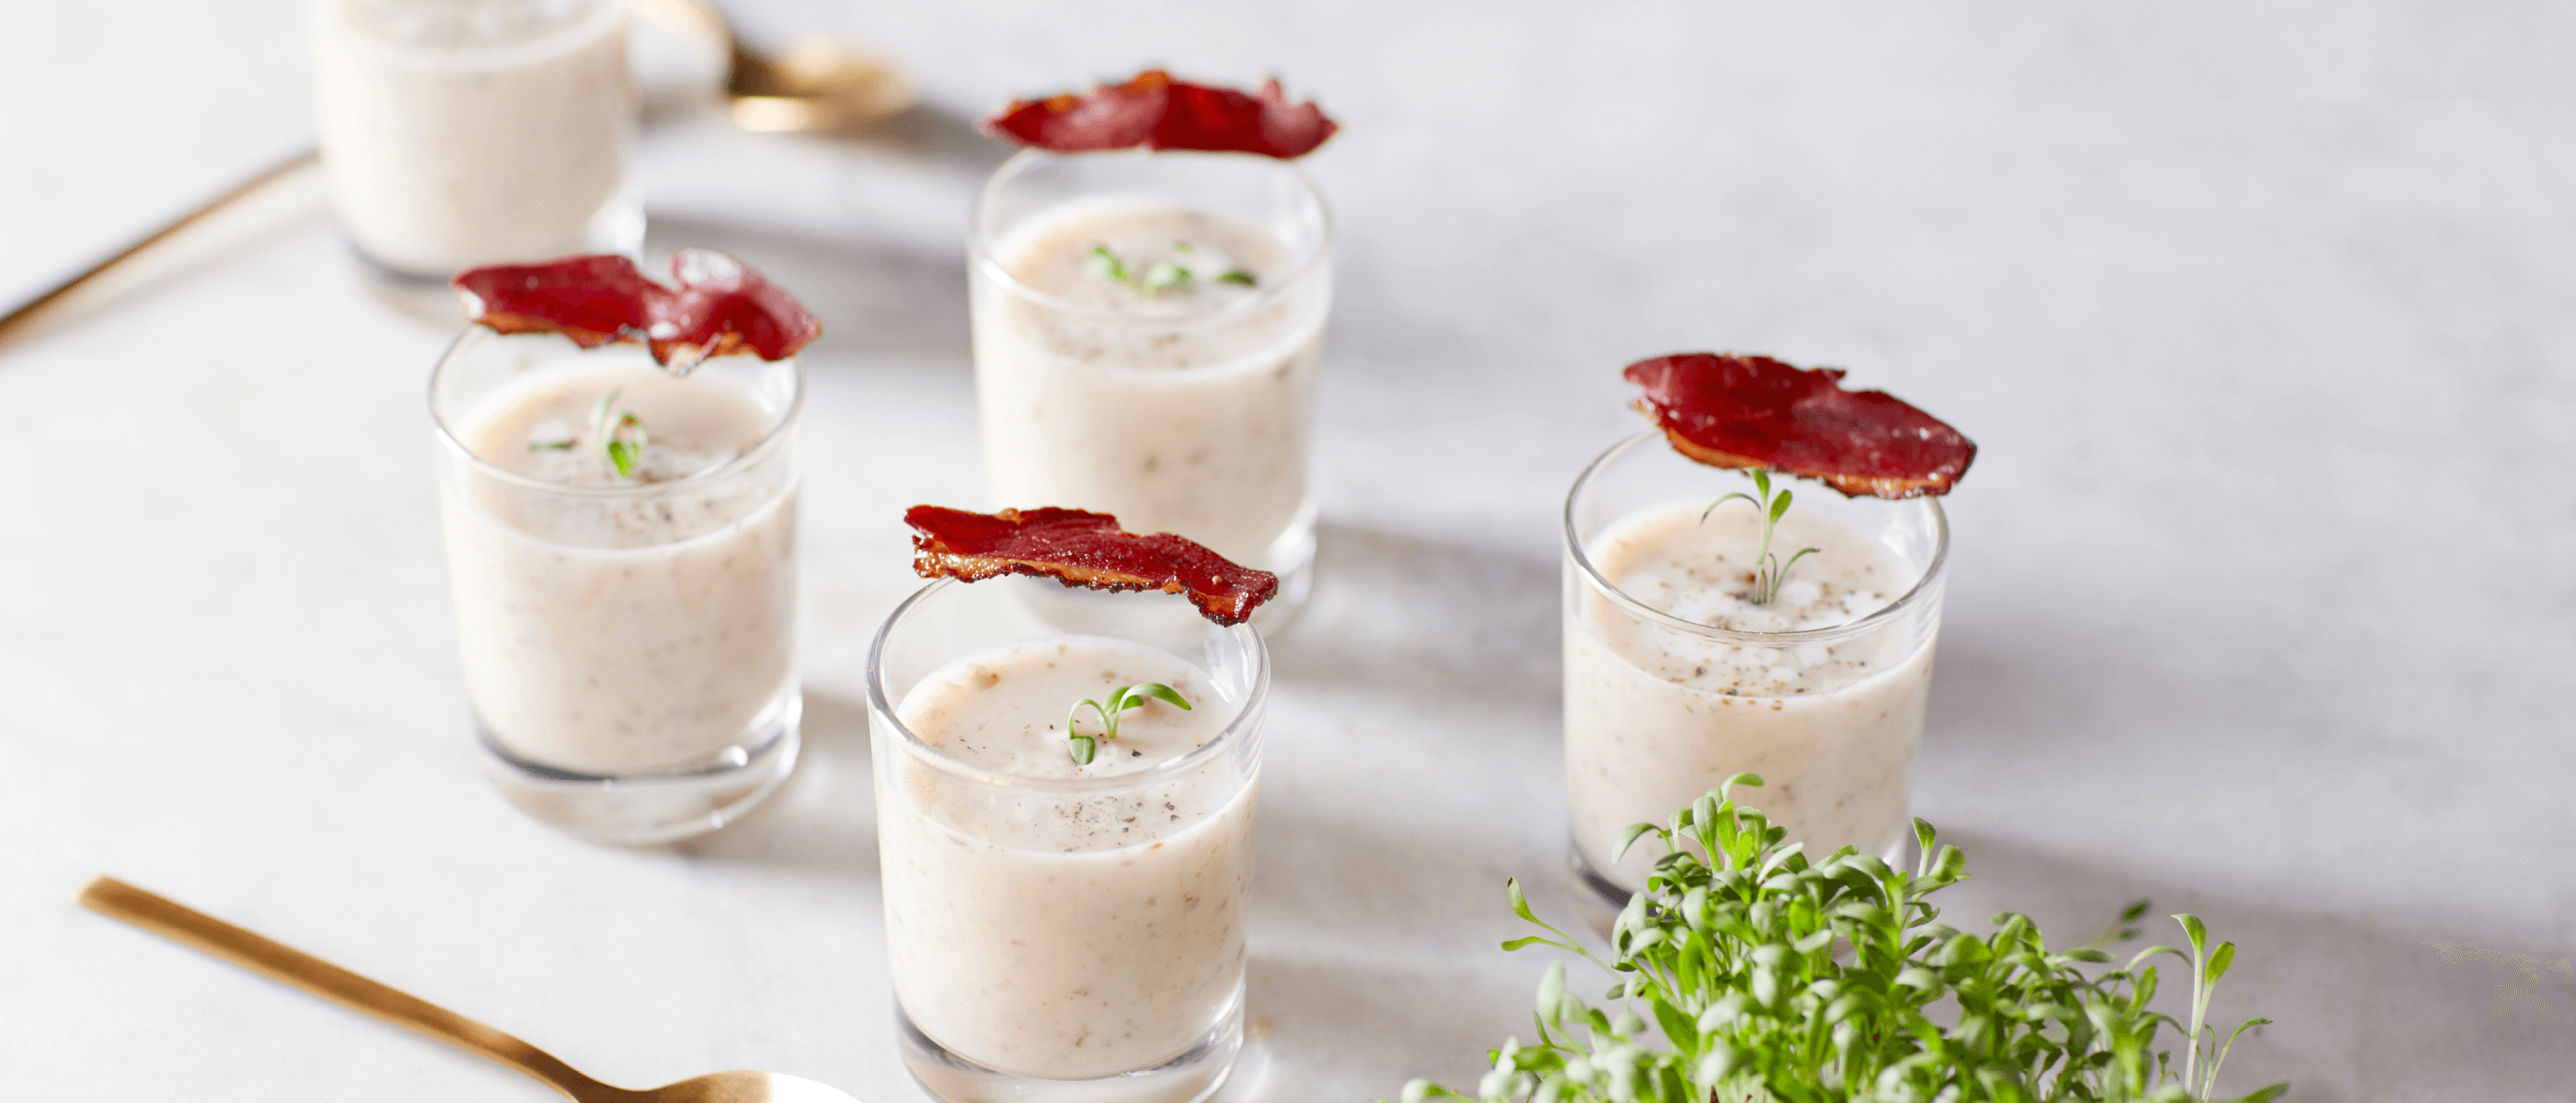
<point x="617" y="227"/>
<point x="1598" y="898"/>
<point x="387" y="274"/>
<point x="1192" y="1077"/>
<point x="647" y="809"/>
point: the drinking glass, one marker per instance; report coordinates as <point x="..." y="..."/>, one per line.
<point x="1191" y="414"/>
<point x="629" y="651"/>
<point x="457" y="133"/>
<point x="1644" y="736"/>
<point x="1034" y="958"/>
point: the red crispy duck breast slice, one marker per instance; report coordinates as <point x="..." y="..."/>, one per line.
<point x="595" y="300"/>
<point x="1754" y="411"/>
<point x="721" y="306"/>
<point x="1157" y="112"/>
<point x="1111" y="116"/>
<point x="1082" y="549"/>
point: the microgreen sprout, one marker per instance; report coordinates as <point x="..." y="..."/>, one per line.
<point x="1769" y="571"/>
<point x="621" y="437"/>
<point x="1124" y="698"/>
<point x="1102" y="262"/>
<point x="1774" y="978"/>
<point x="1160" y="276"/>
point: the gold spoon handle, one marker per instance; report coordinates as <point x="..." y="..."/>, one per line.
<point x="182" y="924"/>
<point x="27" y="311"/>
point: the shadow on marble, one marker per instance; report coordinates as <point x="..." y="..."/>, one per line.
<point x="1418" y="881"/>
<point x="824" y="819"/>
<point x="2364" y="1008"/>
<point x="2018" y="671"/>
<point x="1417" y="616"/>
<point x="1365" y="1029"/>
<point x="934" y="134"/>
<point x="881" y="301"/>
<point x="430" y="306"/>
<point x="1376" y="945"/>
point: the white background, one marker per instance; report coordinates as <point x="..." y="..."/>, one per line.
<point x="2262" y="597"/>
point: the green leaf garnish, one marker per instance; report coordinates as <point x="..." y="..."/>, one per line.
<point x="1165" y="276"/>
<point x="1102" y="262"/>
<point x="1770" y="977"/>
<point x="1158" y="277"/>
<point x="1120" y="700"/>
<point x="1770" y="572"/>
<point x="623" y="455"/>
<point x="621" y="438"/>
<point x="550" y="445"/>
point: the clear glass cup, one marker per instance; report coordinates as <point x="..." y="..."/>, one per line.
<point x="1188" y="412"/>
<point x="1036" y="956"/>
<point x="629" y="650"/>
<point x="457" y="133"/>
<point x="1659" y="709"/>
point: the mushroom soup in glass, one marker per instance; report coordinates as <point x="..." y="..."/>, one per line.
<point x="627" y="628"/>
<point x="1147" y="333"/>
<point x="1062" y="930"/>
<point x="1676" y="680"/>
<point x="457" y="133"/>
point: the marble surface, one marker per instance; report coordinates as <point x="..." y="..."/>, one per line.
<point x="2261" y="603"/>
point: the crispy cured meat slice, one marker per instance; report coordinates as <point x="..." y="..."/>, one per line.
<point x="1157" y="112"/>
<point x="721" y="306"/>
<point x="1079" y="548"/>
<point x="1727" y="410"/>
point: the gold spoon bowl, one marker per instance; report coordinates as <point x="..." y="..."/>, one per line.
<point x="819" y="83"/>
<point x="287" y="965"/>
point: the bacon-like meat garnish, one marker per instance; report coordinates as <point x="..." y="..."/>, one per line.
<point x="720" y="308"/>
<point x="1754" y="411"/>
<point x="1082" y="549"/>
<point x="1157" y="112"/>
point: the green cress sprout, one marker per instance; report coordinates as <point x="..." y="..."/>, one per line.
<point x="1771" y="572"/>
<point x="1772" y="978"/>
<point x="622" y="440"/>
<point x="1126" y="697"/>
<point x="1160" y="276"/>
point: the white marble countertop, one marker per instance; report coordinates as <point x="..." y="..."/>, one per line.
<point x="2263" y="602"/>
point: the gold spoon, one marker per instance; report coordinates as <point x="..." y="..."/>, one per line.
<point x="179" y="923"/>
<point x="816" y="85"/>
<point x="27" y="312"/>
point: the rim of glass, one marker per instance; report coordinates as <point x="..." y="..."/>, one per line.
<point x="980" y="251"/>
<point x="756" y="454"/>
<point x="603" y="19"/>
<point x="1923" y="586"/>
<point x="1197" y="756"/>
